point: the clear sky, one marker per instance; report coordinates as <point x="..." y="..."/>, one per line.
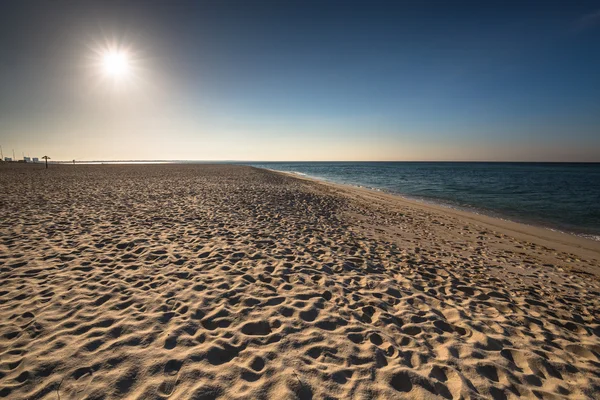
<point x="305" y="80"/>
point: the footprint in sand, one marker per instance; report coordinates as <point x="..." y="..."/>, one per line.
<point x="171" y="373"/>
<point x="76" y="384"/>
<point x="256" y="328"/>
<point x="257" y="364"/>
<point x="388" y="349"/>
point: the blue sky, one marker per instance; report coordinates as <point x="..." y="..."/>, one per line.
<point x="326" y="80"/>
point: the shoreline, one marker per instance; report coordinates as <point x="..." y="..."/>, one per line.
<point x="446" y="205"/>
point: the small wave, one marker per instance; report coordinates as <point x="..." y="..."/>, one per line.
<point x="298" y="173"/>
<point x="582" y="235"/>
<point x="591" y="237"/>
<point x="363" y="187"/>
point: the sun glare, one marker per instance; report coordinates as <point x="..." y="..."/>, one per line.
<point x="116" y="66"/>
<point x="115" y="63"/>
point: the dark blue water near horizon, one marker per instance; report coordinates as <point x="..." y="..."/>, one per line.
<point x="561" y="196"/>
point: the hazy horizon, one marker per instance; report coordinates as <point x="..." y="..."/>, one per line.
<point x="311" y="81"/>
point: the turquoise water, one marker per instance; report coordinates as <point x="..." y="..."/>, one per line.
<point x="561" y="196"/>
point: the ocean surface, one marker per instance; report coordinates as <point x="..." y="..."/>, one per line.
<point x="560" y="196"/>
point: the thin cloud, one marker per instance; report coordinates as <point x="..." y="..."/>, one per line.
<point x="588" y="21"/>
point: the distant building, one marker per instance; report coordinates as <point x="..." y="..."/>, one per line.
<point x="35" y="159"/>
<point x="27" y="159"/>
<point x="7" y="159"/>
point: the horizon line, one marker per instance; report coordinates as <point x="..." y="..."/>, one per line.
<point x="141" y="161"/>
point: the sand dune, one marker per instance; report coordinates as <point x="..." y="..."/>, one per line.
<point x="202" y="282"/>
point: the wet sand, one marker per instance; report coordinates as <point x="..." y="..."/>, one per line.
<point x="216" y="281"/>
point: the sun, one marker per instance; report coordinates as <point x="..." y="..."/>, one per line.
<point x="116" y="63"/>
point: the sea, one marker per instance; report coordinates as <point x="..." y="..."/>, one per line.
<point x="558" y="196"/>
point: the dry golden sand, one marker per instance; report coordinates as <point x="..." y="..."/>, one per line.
<point x="201" y="282"/>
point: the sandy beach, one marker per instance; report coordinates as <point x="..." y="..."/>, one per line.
<point x="220" y="281"/>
